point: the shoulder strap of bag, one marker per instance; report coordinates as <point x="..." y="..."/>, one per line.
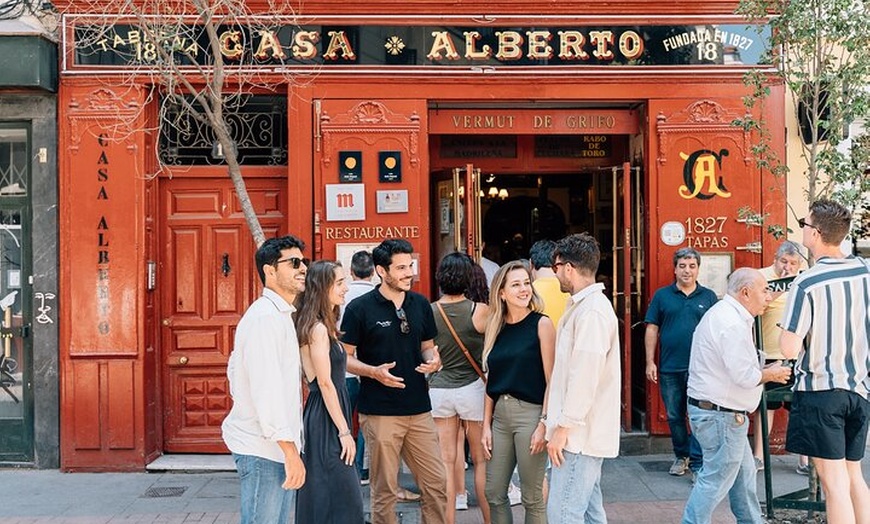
<point x="461" y="345"/>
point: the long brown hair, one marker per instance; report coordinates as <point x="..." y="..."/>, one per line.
<point x="498" y="309"/>
<point x="314" y="305"/>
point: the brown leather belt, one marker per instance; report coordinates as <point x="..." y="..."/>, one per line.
<point x="709" y="406"/>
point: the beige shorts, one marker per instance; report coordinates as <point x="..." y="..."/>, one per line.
<point x="467" y="401"/>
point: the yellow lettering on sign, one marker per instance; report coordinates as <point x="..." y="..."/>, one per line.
<point x="471" y="51"/>
<point x="538" y="46"/>
<point x="571" y="45"/>
<point x="602" y="40"/>
<point x="630" y="45"/>
<point x="700" y="168"/>
<point x="442" y="44"/>
<point x="231" y="46"/>
<point x="304" y="44"/>
<point x="269" y="44"/>
<point x="509" y="45"/>
<point x="338" y="42"/>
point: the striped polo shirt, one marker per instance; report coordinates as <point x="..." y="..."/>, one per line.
<point x="829" y="307"/>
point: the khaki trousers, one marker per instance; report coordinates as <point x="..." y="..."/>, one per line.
<point x="513" y="423"/>
<point x="413" y="439"/>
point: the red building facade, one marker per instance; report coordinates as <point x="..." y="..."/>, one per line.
<point x="482" y="132"/>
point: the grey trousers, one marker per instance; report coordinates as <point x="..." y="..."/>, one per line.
<point x="513" y="423"/>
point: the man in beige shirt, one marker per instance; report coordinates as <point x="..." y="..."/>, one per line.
<point x="583" y="402"/>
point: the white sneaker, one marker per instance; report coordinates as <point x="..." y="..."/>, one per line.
<point x="462" y="500"/>
<point x="515" y="495"/>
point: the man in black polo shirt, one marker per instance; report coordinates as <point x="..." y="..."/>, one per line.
<point x="671" y="318"/>
<point x="388" y="336"/>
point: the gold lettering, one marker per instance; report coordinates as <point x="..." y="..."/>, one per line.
<point x="538" y="47"/>
<point x="545" y="121"/>
<point x="304" y="44"/>
<point x="630" y="45"/>
<point x="443" y="44"/>
<point x="471" y="52"/>
<point x="231" y="47"/>
<point x="269" y="44"/>
<point x="509" y="45"/>
<point x="571" y="45"/>
<point x="602" y="40"/>
<point x="338" y="41"/>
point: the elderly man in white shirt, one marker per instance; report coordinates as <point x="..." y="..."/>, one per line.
<point x="725" y="383"/>
<point x="264" y="427"/>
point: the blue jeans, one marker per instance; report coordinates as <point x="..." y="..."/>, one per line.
<point x="673" y="387"/>
<point x="575" y="491"/>
<point x="728" y="468"/>
<point x="263" y="499"/>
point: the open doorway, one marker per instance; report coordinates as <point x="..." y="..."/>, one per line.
<point x="512" y="207"/>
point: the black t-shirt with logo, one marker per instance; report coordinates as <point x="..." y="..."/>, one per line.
<point x="371" y="324"/>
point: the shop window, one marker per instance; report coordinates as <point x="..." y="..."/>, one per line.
<point x="257" y="124"/>
<point x="13" y="162"/>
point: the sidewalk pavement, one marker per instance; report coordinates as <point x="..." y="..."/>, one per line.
<point x="637" y="489"/>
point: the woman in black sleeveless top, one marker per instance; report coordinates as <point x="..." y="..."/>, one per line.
<point x="518" y="351"/>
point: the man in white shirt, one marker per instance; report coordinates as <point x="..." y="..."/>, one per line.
<point x="264" y="427"/>
<point x="582" y="417"/>
<point x="725" y="381"/>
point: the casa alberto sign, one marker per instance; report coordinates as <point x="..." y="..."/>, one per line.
<point x="321" y="47"/>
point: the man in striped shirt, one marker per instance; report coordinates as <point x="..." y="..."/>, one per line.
<point x="827" y="327"/>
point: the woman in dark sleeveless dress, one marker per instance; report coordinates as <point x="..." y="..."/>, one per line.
<point x="331" y="493"/>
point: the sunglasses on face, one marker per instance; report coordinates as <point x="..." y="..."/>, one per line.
<point x="295" y="262"/>
<point x="404" y="326"/>
<point x="802" y="222"/>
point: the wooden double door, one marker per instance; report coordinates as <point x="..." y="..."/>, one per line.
<point x="206" y="279"/>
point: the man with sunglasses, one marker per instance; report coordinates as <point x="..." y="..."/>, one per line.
<point x="827" y="327"/>
<point x="388" y="336"/>
<point x="264" y="427"/>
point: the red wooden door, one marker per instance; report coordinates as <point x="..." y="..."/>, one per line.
<point x="704" y="176"/>
<point x="207" y="280"/>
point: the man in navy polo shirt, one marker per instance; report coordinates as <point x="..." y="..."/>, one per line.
<point x="672" y="316"/>
<point x="388" y="336"/>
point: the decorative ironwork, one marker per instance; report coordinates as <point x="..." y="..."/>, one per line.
<point x="13" y="162"/>
<point x="257" y="125"/>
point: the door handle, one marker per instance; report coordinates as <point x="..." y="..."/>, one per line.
<point x="752" y="247"/>
<point x="183" y="360"/>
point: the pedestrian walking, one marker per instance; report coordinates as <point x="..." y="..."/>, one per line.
<point x="725" y="383"/>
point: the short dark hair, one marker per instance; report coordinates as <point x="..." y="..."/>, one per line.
<point x="382" y="254"/>
<point x="831" y="219"/>
<point x="687" y="252"/>
<point x="454" y="273"/>
<point x="580" y="250"/>
<point x="541" y="253"/>
<point x="270" y="252"/>
<point x="361" y="264"/>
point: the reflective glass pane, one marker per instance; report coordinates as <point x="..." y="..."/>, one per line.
<point x="12" y="353"/>
<point x="13" y="162"/>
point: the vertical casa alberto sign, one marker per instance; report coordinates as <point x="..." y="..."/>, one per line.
<point x="295" y="47"/>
